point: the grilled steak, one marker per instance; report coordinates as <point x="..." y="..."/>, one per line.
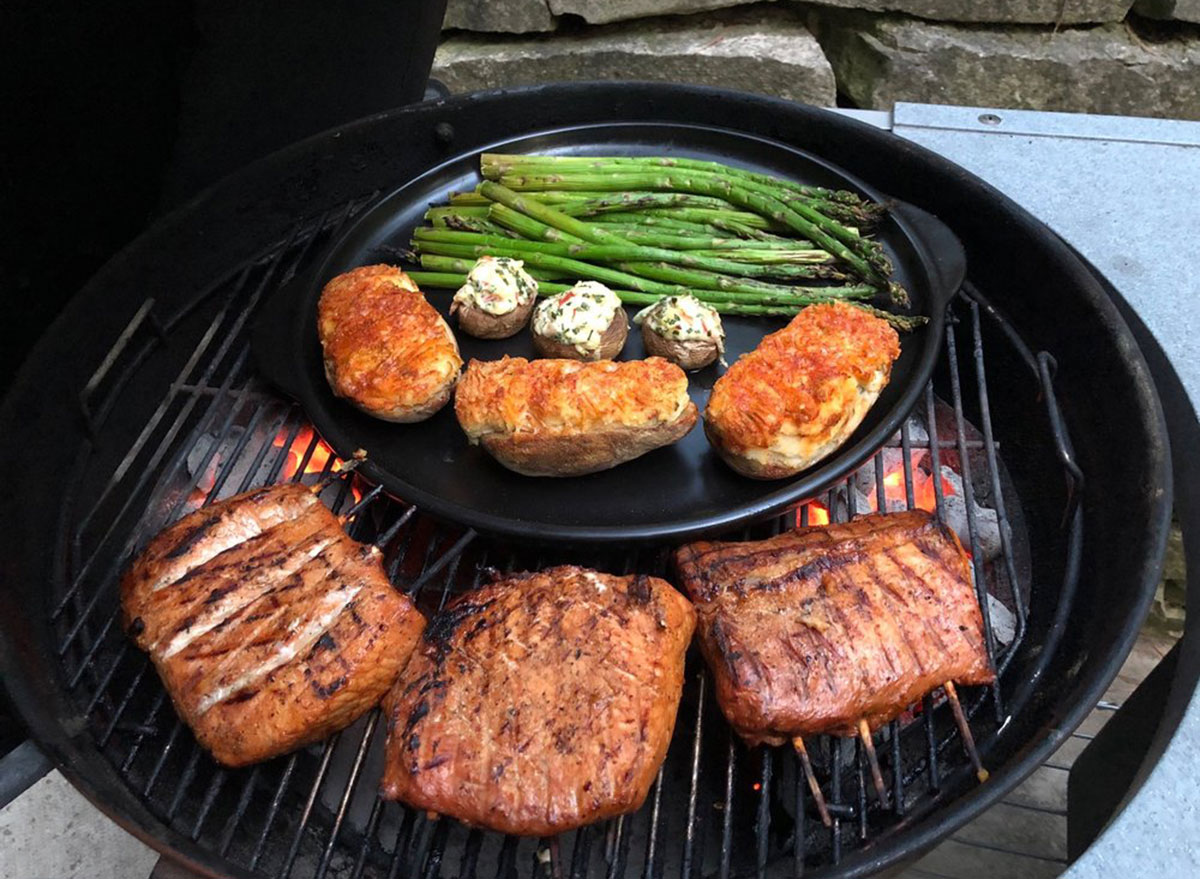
<point x="819" y="628"/>
<point x="541" y="702"/>
<point x="270" y="627"/>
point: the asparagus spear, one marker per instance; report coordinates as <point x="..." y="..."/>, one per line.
<point x="495" y="165"/>
<point x="467" y="244"/>
<point x="869" y="268"/>
<point x="865" y="256"/>
<point x="747" y="291"/>
<point x="452" y="281"/>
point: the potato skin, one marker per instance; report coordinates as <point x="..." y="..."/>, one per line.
<point x="485" y="325"/>
<point x="565" y="418"/>
<point x="689" y="354"/>
<point x="386" y="350"/>
<point x="585" y="453"/>
<point x="611" y="342"/>
<point x="798" y="396"/>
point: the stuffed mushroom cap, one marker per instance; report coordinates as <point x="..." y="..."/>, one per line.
<point x="586" y="322"/>
<point x="683" y="330"/>
<point x="497" y="298"/>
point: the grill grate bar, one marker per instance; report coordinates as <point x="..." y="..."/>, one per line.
<point x="985" y="417"/>
<point x="363" y="743"/>
<point x="437" y="848"/>
<point x="860" y="789"/>
<point x="408" y="822"/>
<point x="164" y="754"/>
<point x="800" y="829"/>
<point x="448" y="556"/>
<point x="652" y="850"/>
<point x="273" y="810"/>
<point x="189" y="774"/>
<point x="964" y="463"/>
<point x="582" y="852"/>
<point x="506" y="864"/>
<point x="239" y="811"/>
<point x="470" y="858"/>
<point x="762" y="822"/>
<point x="210" y="796"/>
<point x="368" y="837"/>
<point x="119" y="557"/>
<point x="836" y="806"/>
<point x="689" y="843"/>
<point x="306" y="813"/>
<point x="897" y="773"/>
<point x="727" y="811"/>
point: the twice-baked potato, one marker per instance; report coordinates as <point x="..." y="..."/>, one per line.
<point x="566" y="417"/>
<point x="496" y="300"/>
<point x="799" y="395"/>
<point x="683" y="330"/>
<point x="387" y="351"/>
<point x="586" y="322"/>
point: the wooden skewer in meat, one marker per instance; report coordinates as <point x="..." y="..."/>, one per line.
<point x="836" y="629"/>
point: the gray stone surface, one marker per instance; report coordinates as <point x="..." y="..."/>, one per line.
<point x="502" y="16"/>
<point x="882" y="59"/>
<point x="1171" y="10"/>
<point x="767" y="53"/>
<point x="1001" y="11"/>
<point x="52" y="831"/>
<point x="606" y="11"/>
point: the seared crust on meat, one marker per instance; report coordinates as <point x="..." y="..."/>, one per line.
<point x="815" y="629"/>
<point x="799" y="395"/>
<point x="387" y="350"/>
<point x="269" y="626"/>
<point x="540" y="703"/>
<point x="566" y="418"/>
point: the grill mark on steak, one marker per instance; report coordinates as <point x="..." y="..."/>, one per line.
<point x="191" y="538"/>
<point x="886" y="593"/>
<point x="725" y="651"/>
<point x="327" y="690"/>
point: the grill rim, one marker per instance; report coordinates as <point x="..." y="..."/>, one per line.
<point x="87" y="769"/>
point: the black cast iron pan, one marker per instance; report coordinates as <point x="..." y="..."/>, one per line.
<point x="676" y="492"/>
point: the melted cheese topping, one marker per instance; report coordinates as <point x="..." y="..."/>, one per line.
<point x="497" y="285"/>
<point x="385" y="347"/>
<point x="567" y="397"/>
<point x="684" y="318"/>
<point x="577" y="317"/>
<point x="805" y="381"/>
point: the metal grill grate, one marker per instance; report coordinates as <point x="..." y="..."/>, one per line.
<point x="715" y="809"/>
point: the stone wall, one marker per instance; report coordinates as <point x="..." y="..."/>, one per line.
<point x="1095" y="56"/>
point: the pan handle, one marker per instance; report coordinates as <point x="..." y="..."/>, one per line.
<point x="943" y="251"/>
<point x="276" y="339"/>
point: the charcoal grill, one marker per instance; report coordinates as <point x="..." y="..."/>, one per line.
<point x="142" y="402"/>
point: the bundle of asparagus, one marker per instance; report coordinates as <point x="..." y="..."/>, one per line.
<point x="745" y="243"/>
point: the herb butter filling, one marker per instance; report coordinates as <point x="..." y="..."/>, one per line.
<point x="578" y="316"/>
<point x="497" y="285"/>
<point x="683" y="318"/>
